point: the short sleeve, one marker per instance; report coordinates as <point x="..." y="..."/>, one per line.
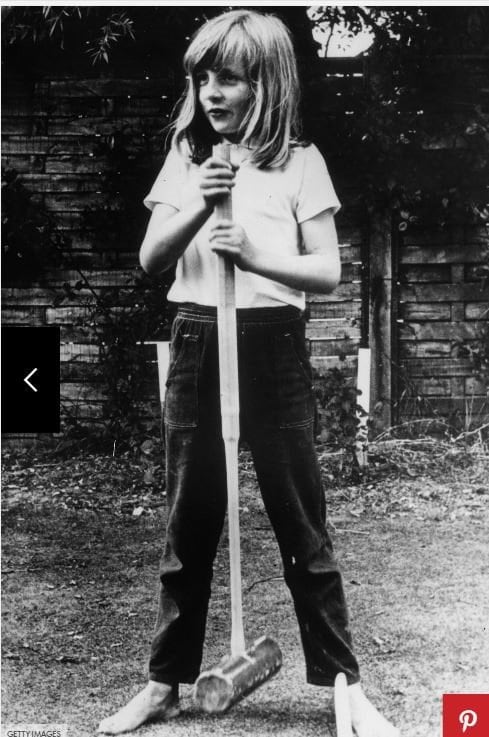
<point x="316" y="192"/>
<point x="167" y="188"/>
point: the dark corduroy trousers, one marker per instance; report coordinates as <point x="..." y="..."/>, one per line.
<point x="277" y="409"/>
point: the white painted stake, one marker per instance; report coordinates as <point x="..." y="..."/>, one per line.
<point x="163" y="356"/>
<point x="363" y="385"/>
<point x="342" y="707"/>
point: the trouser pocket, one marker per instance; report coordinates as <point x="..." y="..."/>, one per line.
<point x="293" y="379"/>
<point x="181" y="400"/>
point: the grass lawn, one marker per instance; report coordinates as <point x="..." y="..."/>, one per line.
<point x="81" y="543"/>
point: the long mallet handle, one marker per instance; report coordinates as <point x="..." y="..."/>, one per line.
<point x="229" y="391"/>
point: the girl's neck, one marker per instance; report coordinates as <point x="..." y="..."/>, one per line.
<point x="236" y="140"/>
<point x="240" y="152"/>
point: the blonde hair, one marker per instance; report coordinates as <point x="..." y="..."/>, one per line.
<point x="262" y="43"/>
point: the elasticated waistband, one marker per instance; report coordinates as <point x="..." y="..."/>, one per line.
<point x="248" y="315"/>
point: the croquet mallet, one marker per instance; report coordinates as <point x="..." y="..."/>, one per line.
<point x="217" y="689"/>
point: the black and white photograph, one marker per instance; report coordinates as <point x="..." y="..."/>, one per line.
<point x="245" y="370"/>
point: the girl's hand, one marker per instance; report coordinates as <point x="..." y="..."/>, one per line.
<point x="230" y="239"/>
<point x="216" y="179"/>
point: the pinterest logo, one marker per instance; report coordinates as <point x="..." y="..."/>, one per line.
<point x="465" y="715"/>
<point x="467" y="719"/>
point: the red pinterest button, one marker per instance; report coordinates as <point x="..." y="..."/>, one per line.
<point x="465" y="715"/>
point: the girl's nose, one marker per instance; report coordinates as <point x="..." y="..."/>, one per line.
<point x="213" y="88"/>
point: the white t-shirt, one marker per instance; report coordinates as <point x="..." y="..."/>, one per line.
<point x="269" y="204"/>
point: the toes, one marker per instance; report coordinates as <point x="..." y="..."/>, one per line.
<point x="104" y="727"/>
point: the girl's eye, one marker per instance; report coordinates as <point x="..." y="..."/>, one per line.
<point x="200" y="79"/>
<point x="229" y="77"/>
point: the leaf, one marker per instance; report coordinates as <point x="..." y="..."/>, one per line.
<point x="147" y="447"/>
<point x="68" y="659"/>
<point x="149" y="476"/>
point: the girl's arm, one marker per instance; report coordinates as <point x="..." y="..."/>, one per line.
<point x="168" y="234"/>
<point x="170" y="230"/>
<point x="318" y="269"/>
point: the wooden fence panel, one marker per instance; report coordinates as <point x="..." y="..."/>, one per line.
<point x="443" y="312"/>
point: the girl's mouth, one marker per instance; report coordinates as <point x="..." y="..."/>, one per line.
<point x="218" y="114"/>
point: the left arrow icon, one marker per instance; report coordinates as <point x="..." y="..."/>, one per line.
<point x="26" y="379"/>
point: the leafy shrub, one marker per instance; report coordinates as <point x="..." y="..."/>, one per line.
<point x="339" y="411"/>
<point x="119" y="322"/>
<point x="124" y="365"/>
<point x="31" y="241"/>
<point x="480" y="354"/>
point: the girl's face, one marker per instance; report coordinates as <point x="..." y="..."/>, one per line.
<point x="224" y="96"/>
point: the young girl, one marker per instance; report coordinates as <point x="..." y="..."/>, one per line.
<point x="243" y="88"/>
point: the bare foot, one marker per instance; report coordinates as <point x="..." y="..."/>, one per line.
<point x="155" y="701"/>
<point x="366" y="720"/>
